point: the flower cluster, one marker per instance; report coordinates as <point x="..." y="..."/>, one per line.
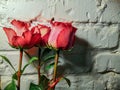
<point x="58" y="35"/>
<point x="53" y="35"/>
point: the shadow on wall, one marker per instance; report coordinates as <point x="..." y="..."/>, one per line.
<point x="78" y="60"/>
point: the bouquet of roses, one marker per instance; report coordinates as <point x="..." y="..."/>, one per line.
<point x="48" y="36"/>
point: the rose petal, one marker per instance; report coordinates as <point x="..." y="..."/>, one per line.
<point x="27" y="36"/>
<point x="35" y="30"/>
<point x="18" y="41"/>
<point x="63" y="39"/>
<point x="20" y="26"/>
<point x="36" y="39"/>
<point x="53" y="36"/>
<point x="62" y="35"/>
<point x="44" y="30"/>
<point x="10" y="33"/>
<point x="72" y="37"/>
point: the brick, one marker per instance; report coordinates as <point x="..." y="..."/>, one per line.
<point x="70" y="10"/>
<point x="99" y="36"/>
<point x="25" y="81"/>
<point x="81" y="82"/>
<point x="99" y="85"/>
<point x="107" y="62"/>
<point x="111" y="12"/>
<point x="4" y="42"/>
<point x="5" y="69"/>
<point x="111" y="81"/>
<point x="75" y="10"/>
<point x="13" y="9"/>
<point x="101" y="62"/>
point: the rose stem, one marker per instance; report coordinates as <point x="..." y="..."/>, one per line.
<point x="19" y="68"/>
<point x="39" y="62"/>
<point x="55" y="67"/>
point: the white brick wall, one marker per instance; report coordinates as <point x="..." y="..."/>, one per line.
<point x="98" y="23"/>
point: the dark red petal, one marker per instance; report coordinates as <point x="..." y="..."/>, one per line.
<point x="72" y="41"/>
<point x="74" y="29"/>
<point x="18" y="41"/>
<point x="14" y="42"/>
<point x="10" y="33"/>
<point x="27" y="36"/>
<point x="63" y="39"/>
<point x="72" y="36"/>
<point x="36" y="39"/>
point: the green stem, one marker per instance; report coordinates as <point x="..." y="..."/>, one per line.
<point x="19" y="68"/>
<point x="55" y="66"/>
<point x="39" y="62"/>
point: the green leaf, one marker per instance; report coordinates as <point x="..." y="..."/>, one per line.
<point x="47" y="59"/>
<point x="15" y="76"/>
<point x="68" y="81"/>
<point x="44" y="80"/>
<point x="43" y="84"/>
<point x="8" y="61"/>
<point x="11" y="86"/>
<point x="35" y="87"/>
<point x="49" y="66"/>
<point x="45" y="53"/>
<point x="29" y="62"/>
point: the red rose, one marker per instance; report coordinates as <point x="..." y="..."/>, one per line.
<point x="62" y="35"/>
<point x="44" y="31"/>
<point x="21" y="36"/>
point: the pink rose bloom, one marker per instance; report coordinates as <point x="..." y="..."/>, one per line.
<point x="21" y="36"/>
<point x="62" y="35"/>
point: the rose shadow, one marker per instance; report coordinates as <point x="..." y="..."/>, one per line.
<point x="78" y="60"/>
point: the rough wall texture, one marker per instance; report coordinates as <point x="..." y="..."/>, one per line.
<point x="94" y="63"/>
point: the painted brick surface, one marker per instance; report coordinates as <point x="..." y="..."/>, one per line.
<point x="93" y="64"/>
<point x="111" y="62"/>
<point x="14" y="58"/>
<point x="99" y="36"/>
